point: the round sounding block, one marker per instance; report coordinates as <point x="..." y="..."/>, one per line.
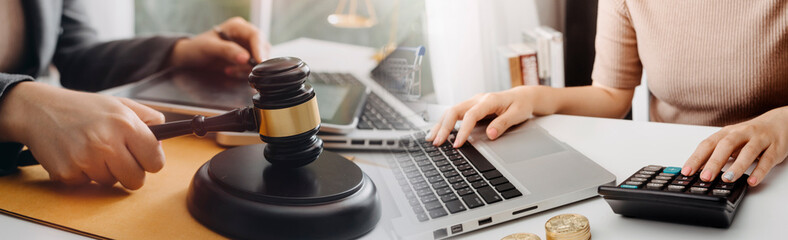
<point x="241" y="195"/>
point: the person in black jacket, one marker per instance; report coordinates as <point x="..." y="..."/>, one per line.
<point x="77" y="136"/>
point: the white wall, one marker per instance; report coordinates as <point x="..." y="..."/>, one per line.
<point x="113" y="19"/>
<point x="463" y="37"/>
<point x="640" y="101"/>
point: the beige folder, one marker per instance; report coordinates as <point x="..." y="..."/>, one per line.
<point x="156" y="211"/>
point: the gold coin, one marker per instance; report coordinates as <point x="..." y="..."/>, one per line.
<point x="585" y="236"/>
<point x="567" y="224"/>
<point x="522" y="236"/>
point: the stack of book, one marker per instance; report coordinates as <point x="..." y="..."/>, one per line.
<point x="537" y="60"/>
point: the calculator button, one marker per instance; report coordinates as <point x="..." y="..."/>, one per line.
<point x="698" y="190"/>
<point x="680" y="182"/>
<point x="702" y="184"/>
<point x="654" y="186"/>
<point x="667" y="174"/>
<point x="642" y="176"/>
<point x="675" y="188"/>
<point x="634" y="183"/>
<point x="628" y="186"/>
<point x="652" y="168"/>
<point x="664" y="178"/>
<point x="685" y="178"/>
<point x="722" y="185"/>
<point x="721" y="192"/>
<point x="659" y="181"/>
<point x="638" y="179"/>
<point x="672" y="170"/>
<point x="647" y="172"/>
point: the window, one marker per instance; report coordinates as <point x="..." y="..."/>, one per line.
<point x="185" y="16"/>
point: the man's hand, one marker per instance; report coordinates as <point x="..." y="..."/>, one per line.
<point x="765" y="136"/>
<point x="209" y="50"/>
<point x="78" y="137"/>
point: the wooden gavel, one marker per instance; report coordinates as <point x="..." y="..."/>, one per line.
<point x="285" y="114"/>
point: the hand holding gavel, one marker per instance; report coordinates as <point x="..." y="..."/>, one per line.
<point x="285" y="114"/>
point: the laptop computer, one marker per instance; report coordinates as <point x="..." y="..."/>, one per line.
<point x="430" y="192"/>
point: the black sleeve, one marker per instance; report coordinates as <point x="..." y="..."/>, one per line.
<point x="9" y="151"/>
<point x="86" y="64"/>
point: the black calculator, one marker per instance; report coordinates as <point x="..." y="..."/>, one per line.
<point x="663" y="193"/>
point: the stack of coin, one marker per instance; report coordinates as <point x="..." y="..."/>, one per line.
<point x="568" y="227"/>
<point x="522" y="236"/>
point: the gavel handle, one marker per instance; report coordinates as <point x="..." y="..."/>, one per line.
<point x="237" y="120"/>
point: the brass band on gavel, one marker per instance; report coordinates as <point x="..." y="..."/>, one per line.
<point x="289" y="121"/>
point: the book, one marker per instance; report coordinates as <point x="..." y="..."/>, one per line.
<point x="509" y="67"/>
<point x="549" y="47"/>
<point x="518" y="65"/>
<point x="555" y="46"/>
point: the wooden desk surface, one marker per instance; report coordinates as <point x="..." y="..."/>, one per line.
<point x="156" y="211"/>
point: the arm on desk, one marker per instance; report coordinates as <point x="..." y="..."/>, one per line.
<point x="516" y="105"/>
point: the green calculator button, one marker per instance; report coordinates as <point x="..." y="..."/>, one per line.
<point x="672" y="170"/>
<point x="628" y="186"/>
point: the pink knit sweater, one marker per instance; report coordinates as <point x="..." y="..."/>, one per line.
<point x="708" y="62"/>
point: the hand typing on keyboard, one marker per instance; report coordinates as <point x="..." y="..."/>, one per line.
<point x="510" y="107"/>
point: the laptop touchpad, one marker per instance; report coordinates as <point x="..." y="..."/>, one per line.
<point x="523" y="143"/>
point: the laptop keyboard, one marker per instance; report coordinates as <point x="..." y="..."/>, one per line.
<point x="439" y="181"/>
<point x="377" y="114"/>
<point x="334" y="78"/>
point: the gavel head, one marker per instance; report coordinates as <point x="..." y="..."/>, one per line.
<point x="286" y="111"/>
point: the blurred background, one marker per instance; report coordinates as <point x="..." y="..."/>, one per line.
<point x="461" y="36"/>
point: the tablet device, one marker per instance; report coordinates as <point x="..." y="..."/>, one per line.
<point x="198" y="92"/>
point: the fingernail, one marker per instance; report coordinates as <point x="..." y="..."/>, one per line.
<point x="728" y="175"/>
<point x="437" y="141"/>
<point x="241" y="58"/>
<point x="753" y="181"/>
<point x="492" y="133"/>
<point x="686" y="171"/>
<point x="705" y="176"/>
<point x="430" y="135"/>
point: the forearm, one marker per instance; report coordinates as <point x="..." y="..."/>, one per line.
<point x="592" y="101"/>
<point x="12" y="111"/>
<point x="104" y="65"/>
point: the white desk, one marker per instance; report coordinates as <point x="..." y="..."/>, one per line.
<point x="622" y="147"/>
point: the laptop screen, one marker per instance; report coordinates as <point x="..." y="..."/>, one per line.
<point x="402" y="25"/>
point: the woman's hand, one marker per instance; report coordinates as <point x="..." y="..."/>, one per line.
<point x="765" y="136"/>
<point x="518" y="104"/>
<point x="78" y="137"/>
<point x="511" y="107"/>
<point x="209" y="50"/>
